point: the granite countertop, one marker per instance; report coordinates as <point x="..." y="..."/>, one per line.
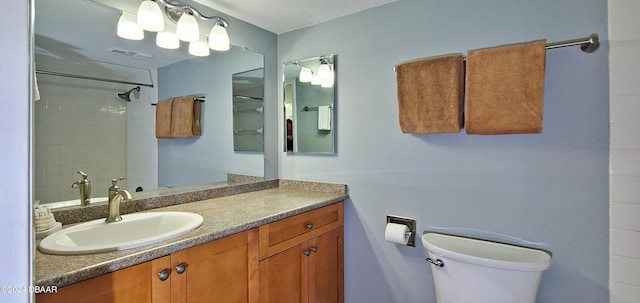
<point x="223" y="216"/>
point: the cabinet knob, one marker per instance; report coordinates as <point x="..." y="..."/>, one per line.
<point x="314" y="249"/>
<point x="307" y="252"/>
<point x="164" y="274"/>
<point x="309" y="225"/>
<point x="181" y="268"/>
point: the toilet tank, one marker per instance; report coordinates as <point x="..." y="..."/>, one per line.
<point x="478" y="271"/>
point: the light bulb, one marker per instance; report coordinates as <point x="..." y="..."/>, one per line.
<point x="328" y="82"/>
<point x="218" y="38"/>
<point x="199" y="48"/>
<point x="167" y="39"/>
<point x="316" y="80"/>
<point x="324" y="71"/>
<point x="150" y="16"/>
<point x="128" y="27"/>
<point x="305" y="75"/>
<point x="187" y="28"/>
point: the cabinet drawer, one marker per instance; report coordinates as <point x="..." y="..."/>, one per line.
<point x="278" y="236"/>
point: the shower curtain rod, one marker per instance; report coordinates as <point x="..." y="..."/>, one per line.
<point x="44" y="72"/>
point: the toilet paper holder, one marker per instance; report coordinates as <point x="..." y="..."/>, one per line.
<point x="410" y="222"/>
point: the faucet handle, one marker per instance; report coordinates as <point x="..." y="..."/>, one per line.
<point x="114" y="182"/>
<point x="84" y="175"/>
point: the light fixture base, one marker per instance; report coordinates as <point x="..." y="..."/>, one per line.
<point x="173" y="13"/>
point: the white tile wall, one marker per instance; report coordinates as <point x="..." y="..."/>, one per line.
<point x="82" y="125"/>
<point x="142" y="145"/>
<point x="624" y="89"/>
<point x="78" y="126"/>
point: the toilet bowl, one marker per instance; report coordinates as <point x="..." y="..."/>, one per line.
<point x="468" y="270"/>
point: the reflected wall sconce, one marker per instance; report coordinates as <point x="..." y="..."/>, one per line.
<point x="323" y="77"/>
<point x="150" y="18"/>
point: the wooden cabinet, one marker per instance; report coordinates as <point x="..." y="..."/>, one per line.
<point x="139" y="283"/>
<point x="297" y="259"/>
<point x="225" y="270"/>
<point x="302" y="258"/>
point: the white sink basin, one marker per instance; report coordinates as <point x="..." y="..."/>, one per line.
<point x="137" y="229"/>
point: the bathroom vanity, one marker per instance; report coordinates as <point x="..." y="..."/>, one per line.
<point x="278" y="244"/>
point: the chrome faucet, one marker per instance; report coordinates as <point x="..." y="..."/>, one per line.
<point x="114" y="205"/>
<point x="85" y="188"/>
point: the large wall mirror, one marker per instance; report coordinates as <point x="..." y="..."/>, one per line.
<point x="106" y="128"/>
<point x="310" y="105"/>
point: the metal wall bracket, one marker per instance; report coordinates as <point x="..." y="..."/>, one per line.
<point x="410" y="222"/>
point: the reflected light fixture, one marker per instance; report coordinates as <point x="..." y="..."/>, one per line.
<point x="128" y="27"/>
<point x="324" y="71"/>
<point x="328" y="82"/>
<point x="150" y="16"/>
<point x="306" y="75"/>
<point x="316" y="80"/>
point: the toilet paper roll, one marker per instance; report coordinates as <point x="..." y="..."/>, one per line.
<point x="397" y="233"/>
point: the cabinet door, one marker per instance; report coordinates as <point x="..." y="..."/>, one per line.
<point x="224" y="270"/>
<point x="312" y="272"/>
<point x="283" y="277"/>
<point x="326" y="268"/>
<point x="138" y="283"/>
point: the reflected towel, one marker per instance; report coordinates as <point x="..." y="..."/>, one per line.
<point x="324" y="118"/>
<point x="34" y="87"/>
<point x="163" y="119"/>
<point x="183" y="119"/>
<point x="430" y="95"/>
<point x="505" y="89"/>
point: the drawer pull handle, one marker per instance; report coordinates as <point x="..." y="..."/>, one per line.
<point x="181" y="268"/>
<point x="164" y="274"/>
<point x="309" y="225"/>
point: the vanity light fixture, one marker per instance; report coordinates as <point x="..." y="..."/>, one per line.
<point x="187" y="28"/>
<point x="199" y="48"/>
<point x="128" y="27"/>
<point x="218" y="37"/>
<point x="167" y="39"/>
<point x="150" y="16"/>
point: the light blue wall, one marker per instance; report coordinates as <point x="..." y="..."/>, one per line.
<point x="208" y="158"/>
<point x="550" y="188"/>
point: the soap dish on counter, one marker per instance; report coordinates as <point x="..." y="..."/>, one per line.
<point x="43" y="234"/>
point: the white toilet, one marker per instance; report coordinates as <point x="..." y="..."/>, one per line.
<point x="475" y="271"/>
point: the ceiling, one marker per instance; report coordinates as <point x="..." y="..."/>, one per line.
<point x="83" y="31"/>
<point x="281" y="16"/>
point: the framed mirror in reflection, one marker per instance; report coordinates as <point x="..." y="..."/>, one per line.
<point x="310" y="105"/>
<point x="88" y="125"/>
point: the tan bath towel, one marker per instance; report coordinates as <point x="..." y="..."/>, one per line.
<point x="430" y="94"/>
<point x="196" y="118"/>
<point x="183" y="118"/>
<point x="505" y="89"/>
<point x="163" y="119"/>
